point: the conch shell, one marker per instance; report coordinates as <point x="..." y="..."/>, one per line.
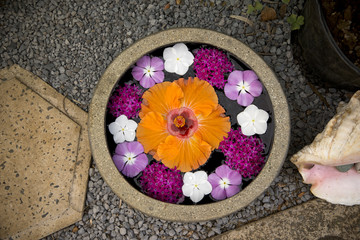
<point x="337" y="145"/>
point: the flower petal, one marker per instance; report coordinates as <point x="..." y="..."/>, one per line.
<point x="151" y="131"/>
<point x="135" y="147"/>
<point x="234" y="177"/>
<point x="235" y="77"/>
<point x="143" y="62"/>
<point x="243" y="118"/>
<point x="200" y="176"/>
<point x="187" y="58"/>
<point x="232" y="190"/>
<point x="245" y="99"/>
<point x="119" y="137"/>
<point x="121" y="149"/>
<point x="129" y="135"/>
<point x="218" y="193"/>
<point x="214" y="180"/>
<point x="248" y="130"/>
<point x="189" y="178"/>
<point x="122" y="120"/>
<point x="157" y="64"/>
<point x="255" y="88"/>
<point x="231" y="91"/>
<point x="169" y="53"/>
<point x="138" y="73"/>
<point x="252" y="110"/>
<point x="223" y="171"/>
<point x="214" y="127"/>
<point x="161" y="98"/>
<point x="184" y="154"/>
<point x="147" y="82"/>
<point x="119" y="162"/>
<point x="187" y="190"/>
<point x="196" y="195"/>
<point x="158" y="77"/>
<point x="181" y="68"/>
<point x="205" y="187"/>
<point x="131" y="125"/>
<point x="249" y="76"/>
<point x="131" y="170"/>
<point x="114" y="127"/>
<point x="171" y="65"/>
<point x="180" y="49"/>
<point x="199" y="95"/>
<point x="260" y="127"/>
<point x="262" y="116"/>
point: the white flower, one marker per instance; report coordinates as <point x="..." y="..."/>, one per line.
<point x="178" y="59"/>
<point x="253" y="120"/>
<point x="123" y="129"/>
<point x="196" y="185"/>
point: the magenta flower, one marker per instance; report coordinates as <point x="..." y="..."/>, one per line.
<point x="211" y="65"/>
<point x="243" y="86"/>
<point x="162" y="183"/>
<point x="149" y="71"/>
<point x="243" y="153"/>
<point x="129" y="158"/>
<point x="225" y="182"/>
<point x="126" y="101"/>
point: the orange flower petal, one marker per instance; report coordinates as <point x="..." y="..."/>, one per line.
<point x="161" y="98"/>
<point x="151" y="131"/>
<point x="184" y="154"/>
<point x="199" y="95"/>
<point x="214" y="127"/>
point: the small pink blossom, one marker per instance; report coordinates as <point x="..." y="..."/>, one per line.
<point x="149" y="71"/>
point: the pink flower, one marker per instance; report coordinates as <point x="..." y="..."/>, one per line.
<point x="162" y="183"/>
<point x="211" y="65"/>
<point x="149" y="71"/>
<point x="129" y="158"/>
<point x="243" y="86"/>
<point x="225" y="182"/>
<point x="243" y="153"/>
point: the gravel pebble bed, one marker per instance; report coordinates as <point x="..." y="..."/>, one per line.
<point x="69" y="44"/>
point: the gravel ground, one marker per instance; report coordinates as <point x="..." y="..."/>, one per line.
<point x="69" y="44"/>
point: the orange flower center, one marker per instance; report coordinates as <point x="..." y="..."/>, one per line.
<point x="182" y="122"/>
<point x="179" y="121"/>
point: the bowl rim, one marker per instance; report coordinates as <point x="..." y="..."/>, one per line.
<point x="176" y="212"/>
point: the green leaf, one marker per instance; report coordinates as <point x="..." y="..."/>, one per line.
<point x="258" y="6"/>
<point x="286" y="1"/>
<point x="250" y="9"/>
<point x="291" y="19"/>
<point x="300" y="20"/>
<point x="345" y="168"/>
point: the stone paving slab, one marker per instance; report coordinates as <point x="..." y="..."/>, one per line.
<point x="44" y="157"/>
<point x="316" y="219"/>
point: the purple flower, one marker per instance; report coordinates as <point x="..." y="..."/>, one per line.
<point x="130" y="159"/>
<point x="162" y="183"/>
<point x="243" y="86"/>
<point x="243" y="153"/>
<point x="211" y="65"/>
<point x="126" y="101"/>
<point x="149" y="71"/>
<point x="225" y="182"/>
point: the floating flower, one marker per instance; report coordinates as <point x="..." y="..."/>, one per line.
<point x="211" y="65"/>
<point x="129" y="158"/>
<point x="225" y="182"/>
<point x="196" y="185"/>
<point x="125" y="100"/>
<point x="162" y="183"/>
<point x="243" y="86"/>
<point x="181" y="123"/>
<point x="253" y="120"/>
<point x="123" y="129"/>
<point x="178" y="59"/>
<point x="243" y="153"/>
<point x="149" y="71"/>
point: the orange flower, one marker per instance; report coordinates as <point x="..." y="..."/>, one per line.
<point x="181" y="123"/>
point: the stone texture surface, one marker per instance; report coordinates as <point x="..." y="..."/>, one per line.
<point x="315" y="219"/>
<point x="44" y="157"/>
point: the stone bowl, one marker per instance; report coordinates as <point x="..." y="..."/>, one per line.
<point x="175" y="212"/>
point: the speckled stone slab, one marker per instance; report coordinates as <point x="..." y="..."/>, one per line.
<point x="313" y="220"/>
<point x="44" y="157"/>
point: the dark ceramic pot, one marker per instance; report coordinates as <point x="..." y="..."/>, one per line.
<point x="320" y="51"/>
